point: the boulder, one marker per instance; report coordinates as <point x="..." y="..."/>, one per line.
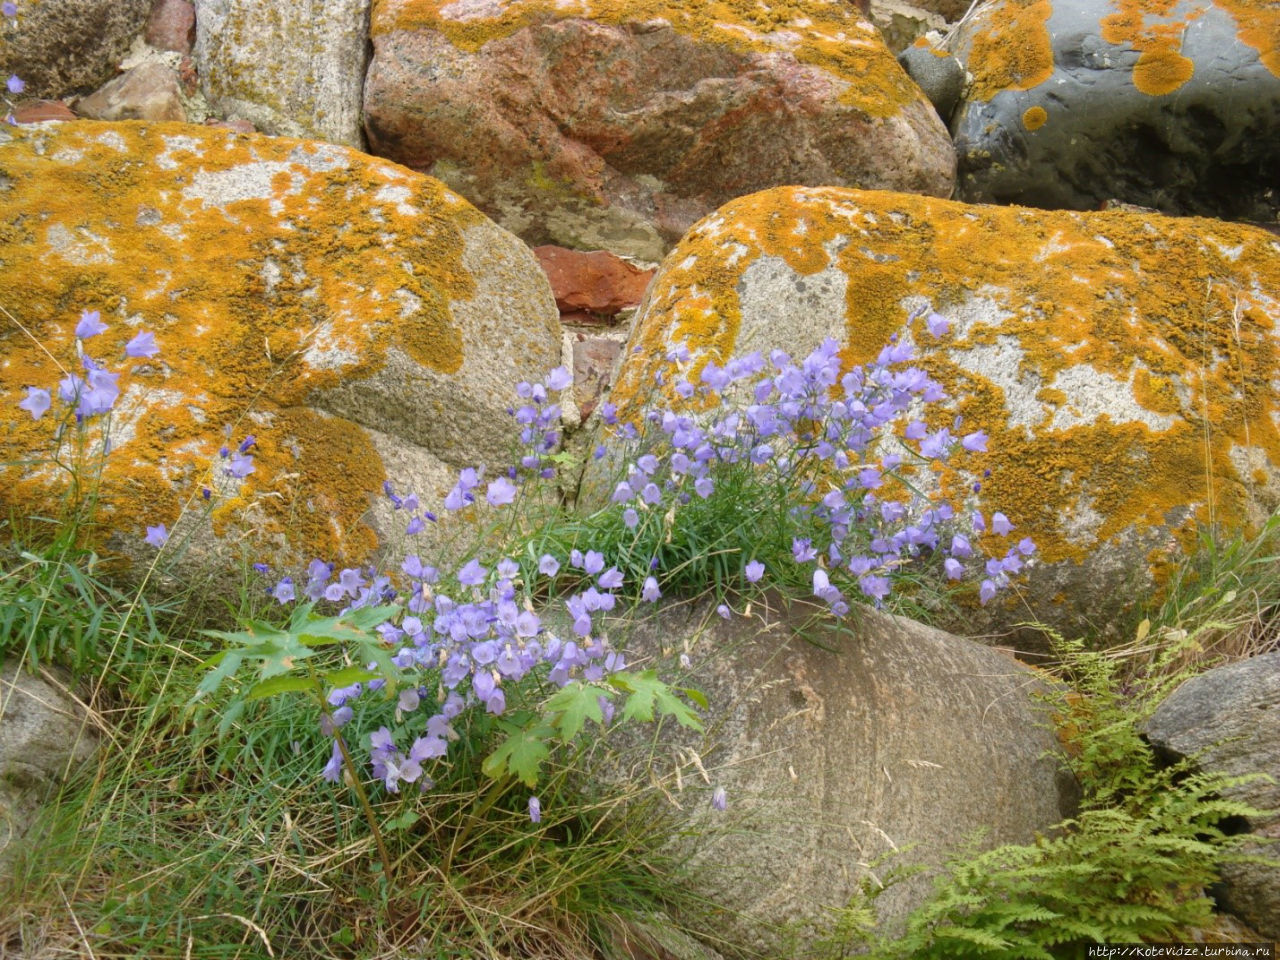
<point x="288" y="68"/>
<point x="61" y="47"/>
<point x="1124" y="366"/>
<point x="44" y="733"/>
<point x="616" y="124"/>
<point x="362" y="321"/>
<point x="844" y="752"/>
<point x="149" y="91"/>
<point x="1173" y="105"/>
<point x="939" y="74"/>
<point x="1228" y="720"/>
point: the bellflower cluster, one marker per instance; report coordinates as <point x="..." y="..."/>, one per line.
<point x="95" y="393"/>
<point x="821" y="434"/>
<point x="467" y="637"/>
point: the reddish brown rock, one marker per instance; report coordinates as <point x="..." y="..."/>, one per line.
<point x="147" y="92"/>
<point x="37" y="111"/>
<point x="240" y="126"/>
<point x="597" y="282"/>
<point x="616" y="124"/>
<point x="171" y="25"/>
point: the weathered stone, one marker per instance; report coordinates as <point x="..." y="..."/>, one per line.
<point x="288" y="68"/>
<point x="63" y="47"/>
<point x="835" y="747"/>
<point x="364" y="322"/>
<point x="615" y="124"/>
<point x="150" y="91"/>
<point x="902" y="23"/>
<point x="43" y="733"/>
<point x="171" y="25"/>
<point x="38" y="111"/>
<point x="1173" y="105"/>
<point x="1228" y="719"/>
<point x="1123" y="366"/>
<point x="597" y="282"/>
<point x="937" y="73"/>
<point x="594" y="360"/>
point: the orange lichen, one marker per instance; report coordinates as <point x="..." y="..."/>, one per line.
<point x="1011" y="48"/>
<point x="1033" y="118"/>
<point x="1161" y="67"/>
<point x="269" y="269"/>
<point x="828" y="36"/>
<point x="1143" y="302"/>
<point x="1258" y="26"/>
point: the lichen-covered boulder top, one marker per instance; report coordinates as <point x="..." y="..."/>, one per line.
<point x="320" y="299"/>
<point x="1172" y="104"/>
<point x="618" y="123"/>
<point x="1124" y="366"/>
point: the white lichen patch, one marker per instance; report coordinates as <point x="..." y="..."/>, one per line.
<point x="168" y="158"/>
<point x="1080" y="521"/>
<point x="251" y="181"/>
<point x="399" y="195"/>
<point x="328" y="351"/>
<point x="81" y="249"/>
<point x="1091" y="394"/>
<point x="464" y="10"/>
<point x="790" y="301"/>
<point x="113" y="141"/>
<point x="1001" y="363"/>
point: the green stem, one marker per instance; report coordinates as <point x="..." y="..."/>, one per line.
<point x="353" y="773"/>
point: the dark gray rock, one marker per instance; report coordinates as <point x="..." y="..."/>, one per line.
<point x="63" y="47"/>
<point x="937" y="73"/>
<point x="1230" y="719"/>
<point x="1085" y="107"/>
<point x="837" y="745"/>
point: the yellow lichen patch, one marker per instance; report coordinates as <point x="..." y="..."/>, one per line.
<point x="318" y="475"/>
<point x="1161" y="67"/>
<point x="270" y="270"/>
<point x="1099" y="351"/>
<point x="1033" y="118"/>
<point x="819" y="33"/>
<point x="1012" y="48"/>
<point x="1258" y="26"/>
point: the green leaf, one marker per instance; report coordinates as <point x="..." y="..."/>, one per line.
<point x="229" y="716"/>
<point x="225" y="664"/>
<point x="521" y="754"/>
<point x="355" y="626"/>
<point x="575" y="704"/>
<point x="348" y="675"/>
<point x="279" y="684"/>
<point x="647" y="693"/>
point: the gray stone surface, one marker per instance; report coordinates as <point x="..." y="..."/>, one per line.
<point x="941" y="77"/>
<point x="1080" y="109"/>
<point x="44" y="734"/>
<point x="1229" y="719"/>
<point x="835" y="748"/>
<point x="288" y="68"/>
<point x="62" y="47"/>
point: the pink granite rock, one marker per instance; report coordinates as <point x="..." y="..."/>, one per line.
<point x="171" y="25"/>
<point x="617" y="123"/>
